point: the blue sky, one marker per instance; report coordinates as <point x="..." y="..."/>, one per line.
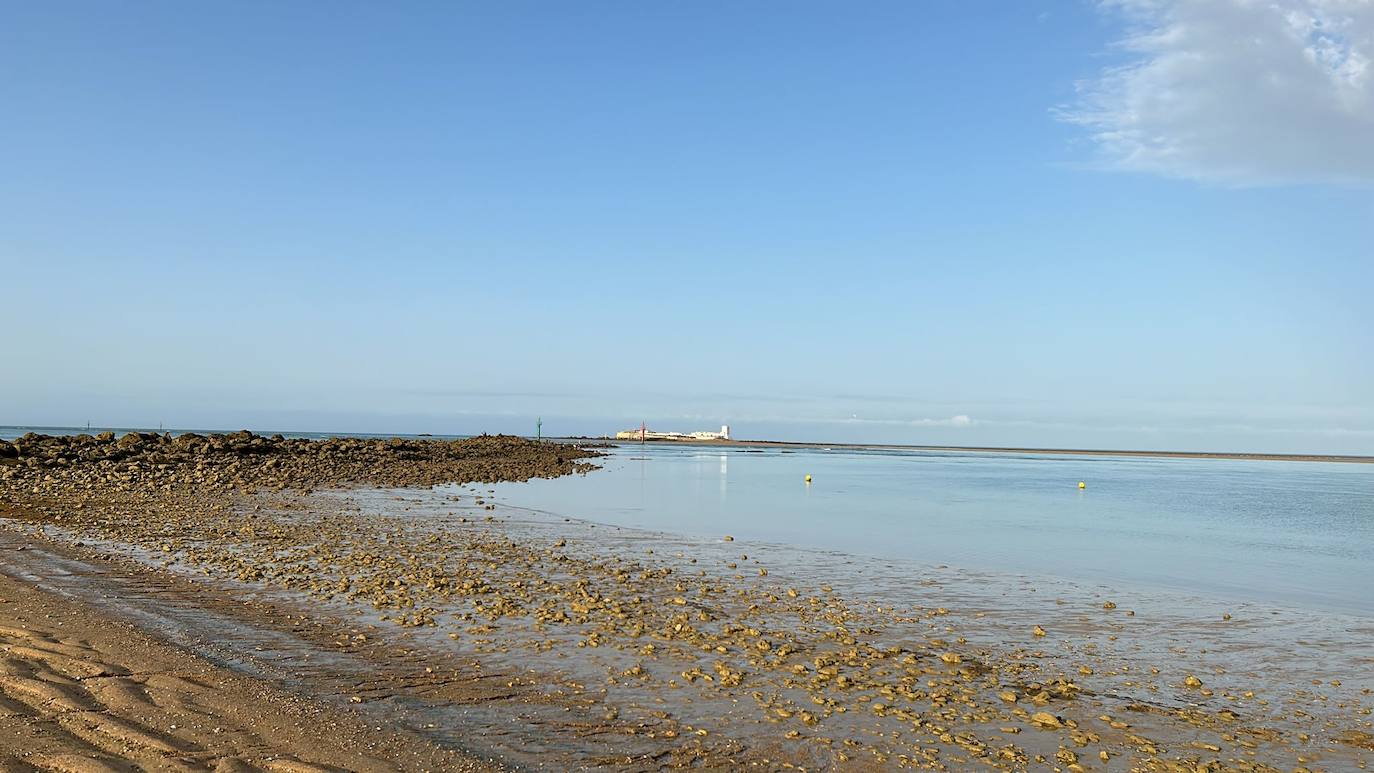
<point x="1059" y="224"/>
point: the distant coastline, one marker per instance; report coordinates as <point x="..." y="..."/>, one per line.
<point x="1346" y="458"/>
<point x="11" y="431"/>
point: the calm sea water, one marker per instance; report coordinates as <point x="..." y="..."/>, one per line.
<point x="1289" y="533"/>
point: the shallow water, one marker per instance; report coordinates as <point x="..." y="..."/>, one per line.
<point x="1262" y="660"/>
<point x="1285" y="533"/>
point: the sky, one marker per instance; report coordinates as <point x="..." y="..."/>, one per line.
<point x="1139" y="224"/>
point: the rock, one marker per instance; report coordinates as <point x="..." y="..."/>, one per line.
<point x="1045" y="719"/>
<point x="249" y="460"/>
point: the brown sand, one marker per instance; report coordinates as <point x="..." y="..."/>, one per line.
<point x="82" y="692"/>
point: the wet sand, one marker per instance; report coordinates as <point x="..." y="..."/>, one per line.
<point x="538" y="640"/>
<point x="82" y="689"/>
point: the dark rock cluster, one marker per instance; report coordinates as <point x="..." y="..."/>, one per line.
<point x="247" y="460"/>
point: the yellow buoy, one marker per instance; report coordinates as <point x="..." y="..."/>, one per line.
<point x="1081" y="484"/>
<point x="808" y="479"/>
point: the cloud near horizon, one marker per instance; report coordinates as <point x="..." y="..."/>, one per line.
<point x="954" y="421"/>
<point x="1237" y="92"/>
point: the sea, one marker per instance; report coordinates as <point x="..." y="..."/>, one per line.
<point x="1294" y="533"/>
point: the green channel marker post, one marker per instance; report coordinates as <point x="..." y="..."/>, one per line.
<point x="539" y="429"/>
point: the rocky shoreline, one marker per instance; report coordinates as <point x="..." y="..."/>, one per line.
<point x="155" y="489"/>
<point x="246" y="461"/>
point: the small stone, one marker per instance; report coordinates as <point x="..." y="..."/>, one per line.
<point x="1045" y="719"/>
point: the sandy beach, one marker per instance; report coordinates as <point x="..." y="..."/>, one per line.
<point x="84" y="690"/>
<point x="239" y="602"/>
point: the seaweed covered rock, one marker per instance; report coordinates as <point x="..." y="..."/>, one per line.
<point x="244" y="459"/>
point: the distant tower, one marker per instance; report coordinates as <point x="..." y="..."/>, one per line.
<point x="725" y="432"/>
<point x="643" y="431"/>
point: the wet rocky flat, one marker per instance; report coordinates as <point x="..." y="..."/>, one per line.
<point x="646" y="650"/>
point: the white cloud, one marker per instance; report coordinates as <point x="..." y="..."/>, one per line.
<point x="1239" y="92"/>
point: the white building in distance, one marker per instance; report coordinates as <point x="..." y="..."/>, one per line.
<point x="643" y="433"/>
